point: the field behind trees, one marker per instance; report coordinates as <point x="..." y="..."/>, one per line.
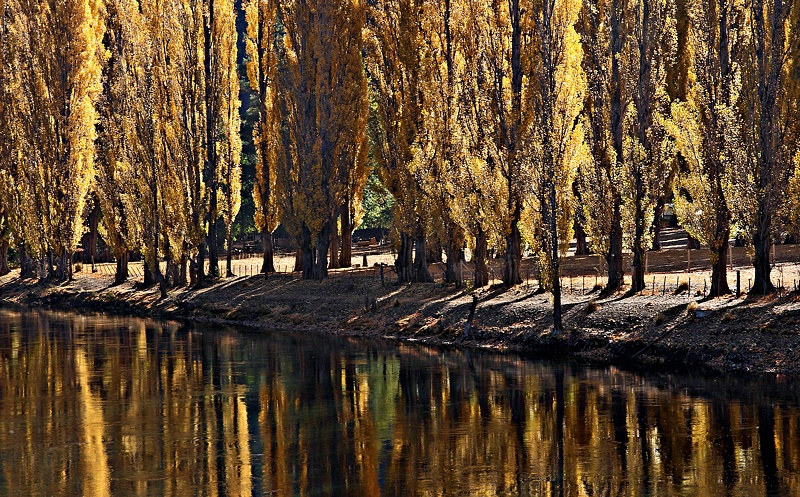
<point x="496" y="127"/>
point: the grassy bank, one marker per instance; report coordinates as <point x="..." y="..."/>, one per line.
<point x="651" y="329"/>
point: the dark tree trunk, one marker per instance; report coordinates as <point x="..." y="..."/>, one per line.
<point x="452" y="273"/>
<point x="420" y="273"/>
<point x="434" y="251"/>
<point x="479" y="258"/>
<point x="719" y="270"/>
<point x="551" y="215"/>
<point x="4" y="269"/>
<point x="346" y="255"/>
<point x="614" y="259"/>
<point x="193" y="272"/>
<point x="334" y="250"/>
<point x="27" y="266"/>
<point x="149" y="279"/>
<point x="637" y="269"/>
<point x="323" y="243"/>
<point x="200" y="270"/>
<point x="581" y="247"/>
<point x="657" y="224"/>
<point x="308" y="257"/>
<point x="268" y="266"/>
<point x="213" y="250"/>
<point x="298" y="258"/>
<point x="229" y="257"/>
<point x="762" y="241"/>
<point x="182" y="277"/>
<point x="210" y="166"/>
<point x="513" y="261"/>
<point x="403" y="264"/>
<point x="121" y="275"/>
<point x="94" y="219"/>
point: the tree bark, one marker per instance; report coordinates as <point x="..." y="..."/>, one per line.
<point x="149" y="279"/>
<point x="94" y="218"/>
<point x="4" y="269"/>
<point x="614" y="258"/>
<point x="420" y="272"/>
<point x="26" y="264"/>
<point x="479" y="259"/>
<point x="298" y="258"/>
<point x="403" y="263"/>
<point x="200" y="270"/>
<point x="762" y="242"/>
<point x="121" y="274"/>
<point x="346" y="254"/>
<point x="182" y="277"/>
<point x="581" y="247"/>
<point x="334" y="250"/>
<point x="229" y="257"/>
<point x="513" y="259"/>
<point x="657" y="225"/>
<point x="719" y="270"/>
<point x="323" y="243"/>
<point x="434" y="251"/>
<point x="210" y="166"/>
<point x="268" y="266"/>
<point x="452" y="273"/>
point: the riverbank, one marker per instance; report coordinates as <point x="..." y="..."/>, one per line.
<point x="651" y="329"/>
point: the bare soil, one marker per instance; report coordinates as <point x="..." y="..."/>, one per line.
<point x="660" y="327"/>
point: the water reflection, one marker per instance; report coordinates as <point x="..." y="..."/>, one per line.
<point x="106" y="406"/>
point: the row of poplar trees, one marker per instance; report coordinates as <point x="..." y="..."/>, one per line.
<point x="129" y="108"/>
<point x="504" y="123"/>
<point x="519" y="120"/>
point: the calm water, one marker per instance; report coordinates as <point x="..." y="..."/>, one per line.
<point x="106" y="406"/>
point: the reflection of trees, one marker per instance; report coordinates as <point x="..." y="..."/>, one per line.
<point x="128" y="407"/>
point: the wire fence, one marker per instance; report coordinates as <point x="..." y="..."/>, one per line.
<point x="669" y="271"/>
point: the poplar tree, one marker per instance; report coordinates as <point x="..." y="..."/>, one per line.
<point x="649" y="153"/>
<point x="605" y="40"/>
<point x="558" y="146"/>
<point x="262" y="70"/>
<point x="713" y="192"/>
<point x="54" y="85"/>
<point x="770" y="91"/>
<point x="393" y="63"/>
<point x="323" y="99"/>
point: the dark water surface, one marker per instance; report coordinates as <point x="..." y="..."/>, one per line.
<point x="102" y="406"/>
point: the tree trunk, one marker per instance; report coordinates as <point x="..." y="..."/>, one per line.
<point x="614" y="258"/>
<point x="434" y="251"/>
<point x="513" y="261"/>
<point x="298" y="258"/>
<point x="657" y="225"/>
<point x="182" y="278"/>
<point x="213" y="250"/>
<point x="637" y="269"/>
<point x="762" y="242"/>
<point x="334" y="249"/>
<point x="551" y="215"/>
<point x="200" y="270"/>
<point x="4" y="269"/>
<point x="719" y="270"/>
<point x="94" y="218"/>
<point x="420" y="273"/>
<point x="581" y="247"/>
<point x="193" y="272"/>
<point x="451" y="273"/>
<point x="403" y="264"/>
<point x="149" y="279"/>
<point x="323" y="242"/>
<point x="479" y="258"/>
<point x="26" y="264"/>
<point x="268" y="266"/>
<point x="346" y="255"/>
<point x="308" y="256"/>
<point x="229" y="257"/>
<point x="121" y="275"/>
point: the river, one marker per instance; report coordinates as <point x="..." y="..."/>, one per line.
<point x="100" y="406"/>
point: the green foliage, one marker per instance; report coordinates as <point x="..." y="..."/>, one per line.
<point x="378" y="204"/>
